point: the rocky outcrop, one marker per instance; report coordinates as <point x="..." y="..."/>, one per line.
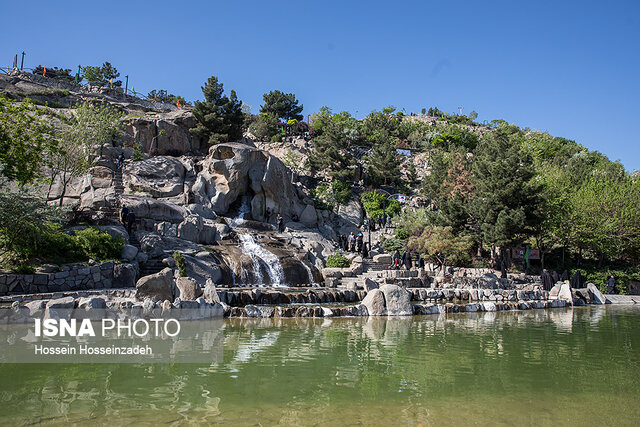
<point x="160" y="176"/>
<point x="165" y="134"/>
<point x="232" y="170"/>
<point x="157" y="287"/>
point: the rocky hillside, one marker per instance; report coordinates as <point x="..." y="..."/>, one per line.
<point x="186" y="200"/>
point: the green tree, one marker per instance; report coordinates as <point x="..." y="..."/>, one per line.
<point x="82" y="141"/>
<point x="506" y="195"/>
<point x="384" y="166"/>
<point x="442" y="245"/>
<point x="266" y="127"/>
<point x="281" y="105"/>
<point x="25" y="141"/>
<point x="101" y="76"/>
<point x="219" y="117"/>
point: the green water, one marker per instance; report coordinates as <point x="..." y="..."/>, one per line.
<point x="541" y="367"/>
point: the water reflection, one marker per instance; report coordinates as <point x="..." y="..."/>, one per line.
<point x="362" y="370"/>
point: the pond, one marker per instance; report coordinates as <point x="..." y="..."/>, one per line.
<point x="537" y="367"/>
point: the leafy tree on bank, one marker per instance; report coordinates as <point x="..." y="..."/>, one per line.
<point x="282" y="106"/>
<point x="219" y="117"/>
<point x="25" y="141"/>
<point x="266" y="127"/>
<point x="506" y="196"/>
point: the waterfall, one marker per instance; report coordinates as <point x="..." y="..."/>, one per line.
<point x="259" y="255"/>
<point x="310" y="273"/>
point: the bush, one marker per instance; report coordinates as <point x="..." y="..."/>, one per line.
<point x="390" y="245"/>
<point x="181" y="263"/>
<point x="98" y="244"/>
<point x="337" y="261"/>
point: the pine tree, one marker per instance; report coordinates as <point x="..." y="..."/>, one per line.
<point x="506" y="196"/>
<point x="384" y="166"/>
<point x="282" y="105"/>
<point x="219" y="117"/>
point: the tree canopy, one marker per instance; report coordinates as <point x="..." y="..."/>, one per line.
<point x="219" y="117"/>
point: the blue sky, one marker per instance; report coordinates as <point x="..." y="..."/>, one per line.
<point x="568" y="67"/>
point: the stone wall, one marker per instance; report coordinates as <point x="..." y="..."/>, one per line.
<point x="71" y="277"/>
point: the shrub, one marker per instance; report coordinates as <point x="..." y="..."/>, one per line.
<point x="337" y="261"/>
<point x="390" y="245"/>
<point x="181" y="263"/>
<point x="98" y="244"/>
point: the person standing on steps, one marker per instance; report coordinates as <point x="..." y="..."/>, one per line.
<point x="267" y="215"/>
<point x="280" y="222"/>
<point x="131" y="220"/>
<point x="407" y="260"/>
<point x="395" y="259"/>
<point x="124" y="211"/>
<point x="120" y="160"/>
<point x="359" y="241"/>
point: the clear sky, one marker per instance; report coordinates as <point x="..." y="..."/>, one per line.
<point x="568" y="67"/>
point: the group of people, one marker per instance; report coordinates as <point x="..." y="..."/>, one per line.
<point x="353" y="243"/>
<point x="406" y="260"/>
<point x="127" y="218"/>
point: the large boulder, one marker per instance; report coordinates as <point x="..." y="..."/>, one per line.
<point x="188" y="289"/>
<point x="565" y="292"/>
<point x="375" y="303"/>
<point x="595" y="294"/>
<point x="196" y="229"/>
<point x="349" y="217"/>
<point x="129" y="252"/>
<point x="158" y="176"/>
<point x="156" y="210"/>
<point x="203" y="266"/>
<point x="232" y="170"/>
<point x="398" y="300"/>
<point x="309" y="216"/>
<point x="60" y="308"/>
<point x="165" y="134"/>
<point x="157" y="287"/>
<point x="210" y="292"/>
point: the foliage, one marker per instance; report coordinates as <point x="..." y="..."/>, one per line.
<point x="25" y="143"/>
<point x="373" y="203"/>
<point x="101" y="76"/>
<point x="219" y="117"/>
<point x="54" y="72"/>
<point x="442" y="245"/>
<point x="336" y="133"/>
<point x="24" y="220"/>
<point x="181" y="263"/>
<point x="392" y="244"/>
<point x="337" y="261"/>
<point x="328" y="195"/>
<point x="99" y="245"/>
<point x="265" y="127"/>
<point x="162" y="95"/>
<point x="281" y="105"/>
<point x="82" y="140"/>
<point x="506" y="195"/>
<point x="384" y="166"/>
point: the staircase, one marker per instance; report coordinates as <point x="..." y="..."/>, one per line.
<point x="381" y="273"/>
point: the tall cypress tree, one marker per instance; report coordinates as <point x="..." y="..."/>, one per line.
<point x="506" y="196"/>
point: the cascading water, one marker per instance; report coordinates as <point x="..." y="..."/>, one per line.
<point x="259" y="255"/>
